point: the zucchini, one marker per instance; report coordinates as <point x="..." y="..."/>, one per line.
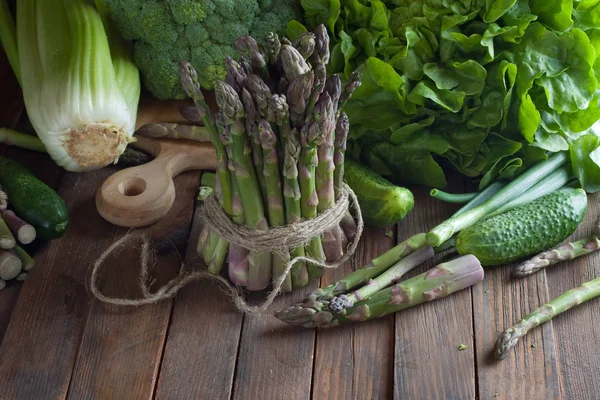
<point x="381" y="202"/>
<point x="525" y="230"/>
<point x="33" y="200"/>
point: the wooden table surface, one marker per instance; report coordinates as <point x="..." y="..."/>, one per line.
<point x="57" y="342"/>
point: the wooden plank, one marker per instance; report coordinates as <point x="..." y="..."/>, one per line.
<point x="427" y="337"/>
<point x="275" y="361"/>
<point x="355" y="361"/>
<point x="121" y="347"/>
<point x="201" y="348"/>
<point x="51" y="310"/>
<point x="576" y="333"/>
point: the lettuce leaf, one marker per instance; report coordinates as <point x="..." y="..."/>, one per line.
<point x="488" y="87"/>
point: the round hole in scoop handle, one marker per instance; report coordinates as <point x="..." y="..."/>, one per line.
<point x="140" y="196"/>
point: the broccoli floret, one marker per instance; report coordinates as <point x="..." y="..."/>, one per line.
<point x="200" y="31"/>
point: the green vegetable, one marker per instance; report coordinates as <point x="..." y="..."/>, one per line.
<point x="459" y="198"/>
<point x="10" y="137"/>
<point x="569" y="299"/>
<point x="10" y="265"/>
<point x="8" y="38"/>
<point x="7" y="239"/>
<point x="381" y="202"/>
<point x="80" y="86"/>
<point x="438" y="282"/>
<point x="525" y="230"/>
<point x="26" y="260"/>
<point x="33" y="200"/>
<point x="202" y="32"/>
<point x="486" y="86"/>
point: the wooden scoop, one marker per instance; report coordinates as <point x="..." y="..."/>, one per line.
<point x="140" y="196"/>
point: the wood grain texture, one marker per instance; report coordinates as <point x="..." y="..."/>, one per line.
<point x="121" y="347"/>
<point x="201" y="348"/>
<point x="40" y="345"/>
<point x="427" y="337"/>
<point x="576" y="333"/>
<point x="275" y="361"/>
<point x="355" y="361"/>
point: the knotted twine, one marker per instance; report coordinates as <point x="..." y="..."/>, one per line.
<point x="277" y="240"/>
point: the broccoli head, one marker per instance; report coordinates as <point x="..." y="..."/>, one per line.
<point x="164" y="32"/>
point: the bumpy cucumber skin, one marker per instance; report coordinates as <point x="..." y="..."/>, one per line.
<point x="525" y="230"/>
<point x="33" y="200"/>
<point x="381" y="202"/>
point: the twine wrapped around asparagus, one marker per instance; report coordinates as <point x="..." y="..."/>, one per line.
<point x="278" y="240"/>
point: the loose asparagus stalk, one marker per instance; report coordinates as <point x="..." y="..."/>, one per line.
<point x="571" y="298"/>
<point x="11" y="137"/>
<point x="276" y="210"/>
<point x="332" y="240"/>
<point x="311" y="136"/>
<point x="10" y="265"/>
<point x="7" y="240"/>
<point x="439" y="282"/>
<point x="319" y="299"/>
<point x="568" y="251"/>
<point x="174" y="131"/>
<point x="520" y="185"/>
<point x="27" y="262"/>
<point x="233" y="112"/>
<point x="292" y="196"/>
<point x="339" y="303"/>
<point x="24" y="232"/>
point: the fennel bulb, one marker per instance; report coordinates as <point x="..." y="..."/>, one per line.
<point x="80" y="85"/>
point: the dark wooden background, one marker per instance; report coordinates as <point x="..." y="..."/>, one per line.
<point x="57" y="342"/>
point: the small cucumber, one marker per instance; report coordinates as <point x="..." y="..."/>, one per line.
<point x="525" y="230"/>
<point x="381" y="202"/>
<point x="33" y="200"/>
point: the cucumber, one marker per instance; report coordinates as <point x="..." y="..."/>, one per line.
<point x="33" y="200"/>
<point x="525" y="230"/>
<point x="381" y="202"/>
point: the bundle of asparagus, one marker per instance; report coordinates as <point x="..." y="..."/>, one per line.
<point x="14" y="260"/>
<point x="280" y="137"/>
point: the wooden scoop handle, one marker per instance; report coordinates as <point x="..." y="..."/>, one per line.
<point x="140" y="196"/>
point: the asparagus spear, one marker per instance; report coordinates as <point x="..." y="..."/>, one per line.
<point x="292" y="196"/>
<point x="292" y="62"/>
<point x="7" y="240"/>
<point x="238" y="256"/>
<point x="339" y="303"/>
<point x="272" y="47"/>
<point x="236" y="76"/>
<point x="305" y="44"/>
<point x="174" y="131"/>
<point x="275" y="195"/>
<point x="319" y="299"/>
<point x="10" y="265"/>
<point x="311" y="136"/>
<point x="321" y="52"/>
<point x="568" y="251"/>
<point x="279" y="114"/>
<point x="352" y="84"/>
<point x="332" y="240"/>
<point x="446" y="229"/>
<point x="319" y="58"/>
<point x="189" y="80"/>
<point x="233" y="112"/>
<point x="252" y="118"/>
<point x="439" y="282"/>
<point x="260" y="93"/>
<point x="348" y="223"/>
<point x="24" y="232"/>
<point x="298" y="95"/>
<point x="571" y="298"/>
<point x="253" y="52"/>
